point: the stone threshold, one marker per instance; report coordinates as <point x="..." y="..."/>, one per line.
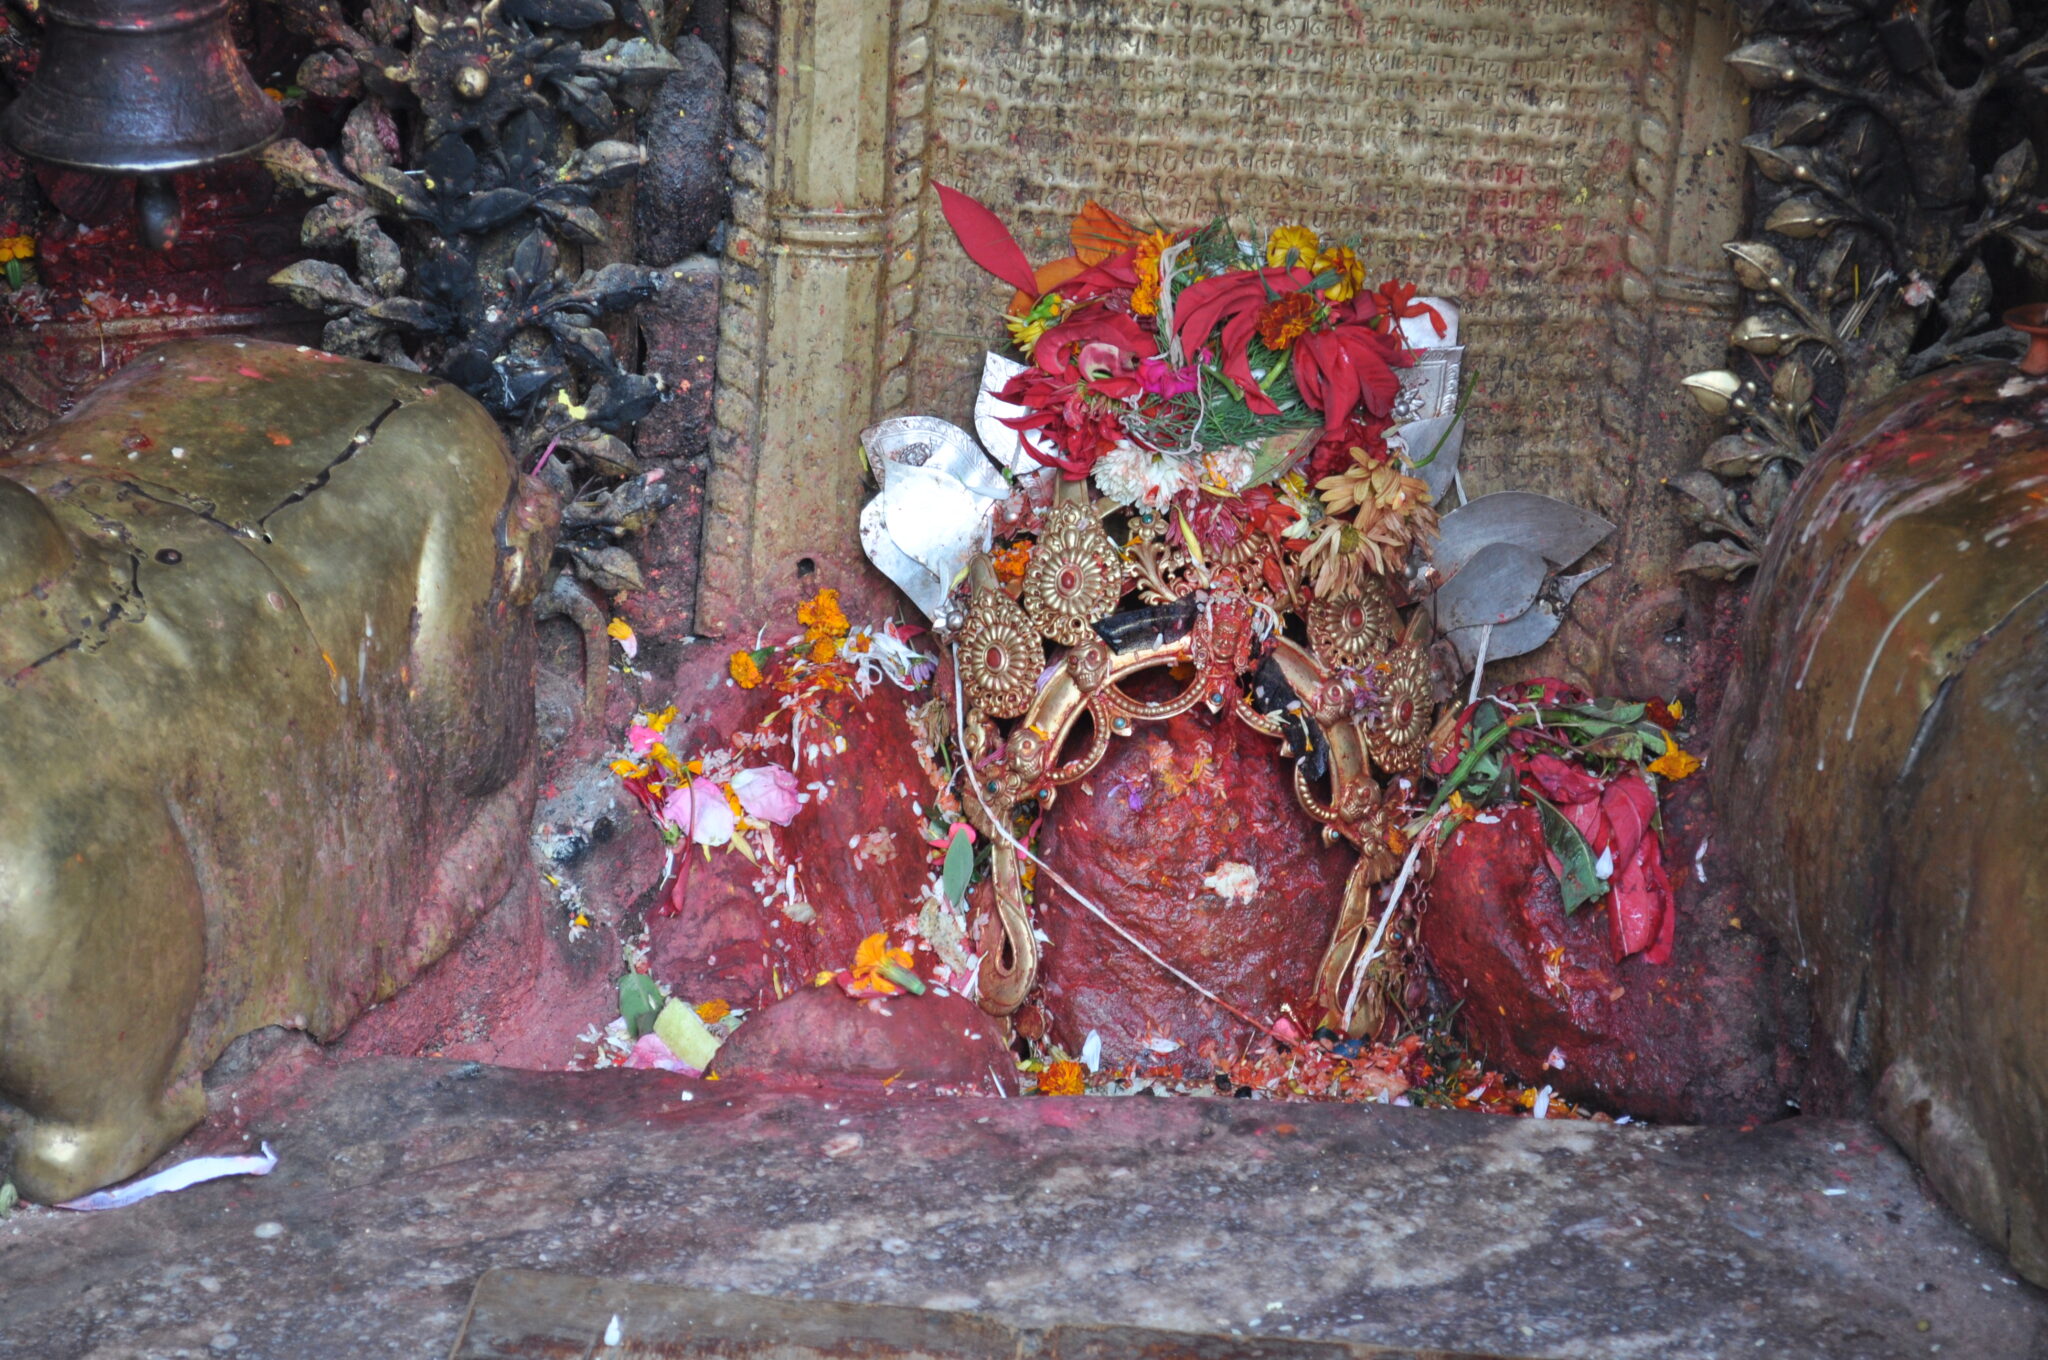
<point x="402" y="1182"/>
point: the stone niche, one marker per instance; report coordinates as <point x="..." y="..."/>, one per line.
<point x="1566" y="168"/>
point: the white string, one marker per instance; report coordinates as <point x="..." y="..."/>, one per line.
<point x="1002" y="831"/>
<point x="1371" y="951"/>
<point x="1479" y="666"/>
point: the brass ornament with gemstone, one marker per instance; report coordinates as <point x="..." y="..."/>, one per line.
<point x="1076" y="575"/>
<point x="1001" y="656"/>
<point x="1351" y="628"/>
<point x="1397" y="728"/>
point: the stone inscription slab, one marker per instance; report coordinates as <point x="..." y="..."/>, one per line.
<point x="1479" y="147"/>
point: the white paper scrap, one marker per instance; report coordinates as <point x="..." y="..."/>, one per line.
<point x="180" y="1177"/>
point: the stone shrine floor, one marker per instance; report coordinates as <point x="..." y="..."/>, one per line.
<point x="402" y="1181"/>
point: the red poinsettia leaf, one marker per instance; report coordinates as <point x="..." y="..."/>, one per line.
<point x="1200" y="306"/>
<point x="1642" y="916"/>
<point x="1308" y="377"/>
<point x="1373" y="361"/>
<point x="986" y="240"/>
<point x="1337" y="386"/>
<point x="1096" y="324"/>
<point x="1237" y="363"/>
<point x="1629" y="803"/>
<point x="1118" y="271"/>
<point x="1559" y="780"/>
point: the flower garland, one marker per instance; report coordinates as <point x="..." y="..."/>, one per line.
<point x="1240" y="383"/>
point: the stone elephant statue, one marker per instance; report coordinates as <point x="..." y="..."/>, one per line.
<point x="266" y="712"/>
<point x="1881" y="757"/>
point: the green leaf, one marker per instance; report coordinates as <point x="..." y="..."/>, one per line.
<point x="1482" y="745"/>
<point x="959" y="867"/>
<point x="1580" y="882"/>
<point x="1623" y="744"/>
<point x="639" y="1001"/>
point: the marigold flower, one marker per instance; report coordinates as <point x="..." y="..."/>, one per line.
<point x="1145" y="297"/>
<point x="822" y="616"/>
<point x="621" y="632"/>
<point x="1012" y="562"/>
<point x="879" y="970"/>
<point x="1287" y="319"/>
<point x="824" y="649"/>
<point x="1675" y="763"/>
<point x="745" y="671"/>
<point x="711" y="1012"/>
<point x="1063" y="1078"/>
<point x="1300" y="242"/>
<point x="1350" y="273"/>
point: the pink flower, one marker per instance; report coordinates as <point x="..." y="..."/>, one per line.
<point x="642" y="738"/>
<point x="1160" y="378"/>
<point x="650" y="1051"/>
<point x="700" y="811"/>
<point x="768" y="792"/>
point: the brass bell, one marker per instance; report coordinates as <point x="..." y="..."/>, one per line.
<point x="141" y="87"/>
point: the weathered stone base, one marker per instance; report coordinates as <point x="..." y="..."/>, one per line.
<point x="401" y="1182"/>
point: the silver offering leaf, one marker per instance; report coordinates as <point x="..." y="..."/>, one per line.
<point x="1003" y="443"/>
<point x="1496" y="586"/>
<point x="1446" y="435"/>
<point x="1525" y="633"/>
<point x="936" y="508"/>
<point x="1558" y="533"/>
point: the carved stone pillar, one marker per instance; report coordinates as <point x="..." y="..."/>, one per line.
<point x="799" y="353"/>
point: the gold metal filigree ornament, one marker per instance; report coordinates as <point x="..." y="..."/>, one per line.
<point x="1076" y="575"/>
<point x="1350" y="629"/>
<point x="1396" y="727"/>
<point x="1001" y="656"/>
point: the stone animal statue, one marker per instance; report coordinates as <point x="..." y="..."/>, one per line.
<point x="266" y="697"/>
<point x="1881" y="757"/>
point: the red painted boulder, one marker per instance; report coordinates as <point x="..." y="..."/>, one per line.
<point x="1705" y="1038"/>
<point x="1189" y="835"/>
<point x="856" y="849"/>
<point x="822" y="1035"/>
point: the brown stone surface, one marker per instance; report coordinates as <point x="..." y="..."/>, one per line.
<point x="400" y="1183"/>
<point x="1168" y="807"/>
<point x="1706" y="1037"/>
<point x="821" y="1033"/>
<point x="1883" y="742"/>
<point x="679" y="327"/>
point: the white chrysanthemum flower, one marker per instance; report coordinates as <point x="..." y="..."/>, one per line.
<point x="1130" y="475"/>
<point x="1229" y="467"/>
